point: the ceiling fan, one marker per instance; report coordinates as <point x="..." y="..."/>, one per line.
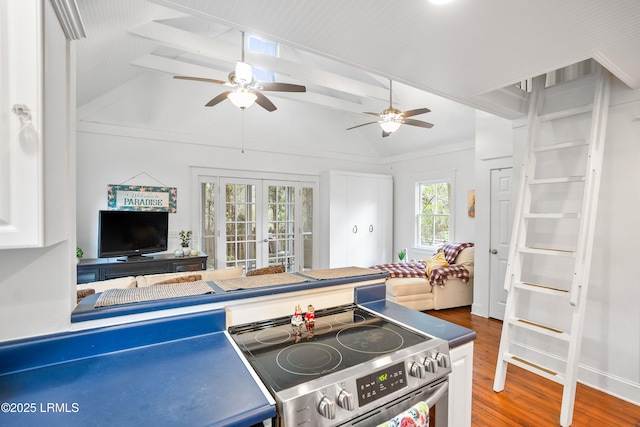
<point x="392" y="118"/>
<point x="246" y="90"/>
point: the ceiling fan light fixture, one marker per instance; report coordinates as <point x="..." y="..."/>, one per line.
<point x="242" y="98"/>
<point x="390" y="126"/>
<point x="391" y="120"/>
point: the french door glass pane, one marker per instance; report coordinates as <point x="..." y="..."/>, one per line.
<point x="307" y="226"/>
<point x="240" y="225"/>
<point x="208" y="242"/>
<point x="281" y="226"/>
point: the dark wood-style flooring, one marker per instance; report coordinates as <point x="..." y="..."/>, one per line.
<point x="529" y="400"/>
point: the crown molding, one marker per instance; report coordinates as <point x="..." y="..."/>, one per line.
<point x="69" y="17"/>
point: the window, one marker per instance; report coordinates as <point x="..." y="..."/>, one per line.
<point x="433" y="213"/>
<point x="266" y="48"/>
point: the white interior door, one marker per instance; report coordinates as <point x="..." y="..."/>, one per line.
<point x="501" y="224"/>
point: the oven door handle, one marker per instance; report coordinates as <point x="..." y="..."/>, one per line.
<point x="436" y="395"/>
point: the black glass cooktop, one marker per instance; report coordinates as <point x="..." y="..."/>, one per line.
<point x="288" y="351"/>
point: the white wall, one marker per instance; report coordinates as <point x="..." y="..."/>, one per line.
<point x="108" y="159"/>
<point x="494" y="150"/>
<point x="435" y="164"/>
<point x="612" y="327"/>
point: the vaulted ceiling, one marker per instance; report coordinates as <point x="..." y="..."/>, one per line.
<point x="451" y="58"/>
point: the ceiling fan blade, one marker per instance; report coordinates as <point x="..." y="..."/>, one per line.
<point x="419" y="123"/>
<point x="372" y="114"/>
<point x="415" y="112"/>
<point x="218" y="99"/>
<point x="282" y="87"/>
<point x="200" y="79"/>
<point x="264" y="102"/>
<point x="364" y="124"/>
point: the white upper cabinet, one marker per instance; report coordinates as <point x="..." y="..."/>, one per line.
<point x="35" y="136"/>
<point x="357" y="219"/>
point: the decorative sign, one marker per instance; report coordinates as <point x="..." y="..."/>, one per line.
<point x="142" y="198"/>
<point x="471" y="203"/>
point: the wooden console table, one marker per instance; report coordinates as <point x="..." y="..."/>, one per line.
<point x="93" y="270"/>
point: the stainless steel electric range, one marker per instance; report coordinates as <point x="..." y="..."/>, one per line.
<point x="348" y="366"/>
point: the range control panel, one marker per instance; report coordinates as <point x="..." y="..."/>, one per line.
<point x="381" y="383"/>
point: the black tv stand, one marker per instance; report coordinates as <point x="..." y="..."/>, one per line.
<point x="93" y="270"/>
<point x="135" y="258"/>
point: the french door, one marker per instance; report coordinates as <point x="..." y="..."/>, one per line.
<point x="258" y="222"/>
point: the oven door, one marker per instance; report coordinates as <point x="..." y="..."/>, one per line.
<point x="435" y="395"/>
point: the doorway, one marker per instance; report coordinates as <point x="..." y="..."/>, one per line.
<point x="501" y="212"/>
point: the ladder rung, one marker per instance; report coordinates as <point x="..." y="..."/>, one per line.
<point x="535" y="368"/>
<point x="544" y="251"/>
<point x="542" y="289"/>
<point x="566" y="113"/>
<point x="558" y="180"/>
<point x="562" y="145"/>
<point x="539" y="328"/>
<point x="552" y="215"/>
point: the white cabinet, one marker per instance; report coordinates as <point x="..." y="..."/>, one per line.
<point x="35" y="103"/>
<point x="460" y="385"/>
<point x="357" y="219"/>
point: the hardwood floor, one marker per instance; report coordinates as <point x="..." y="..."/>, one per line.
<point x="528" y="400"/>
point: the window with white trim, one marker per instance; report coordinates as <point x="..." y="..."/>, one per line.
<point x="434" y="213"/>
<point x="266" y="48"/>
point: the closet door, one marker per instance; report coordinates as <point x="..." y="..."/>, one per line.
<point x="360" y="219"/>
<point x="340" y="227"/>
<point x="362" y="205"/>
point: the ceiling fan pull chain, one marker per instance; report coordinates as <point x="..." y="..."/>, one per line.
<point x="242" y="147"/>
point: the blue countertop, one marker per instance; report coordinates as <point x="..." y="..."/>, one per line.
<point x="373" y="298"/>
<point x="173" y="371"/>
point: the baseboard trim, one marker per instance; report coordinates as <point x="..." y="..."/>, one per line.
<point x="605" y="382"/>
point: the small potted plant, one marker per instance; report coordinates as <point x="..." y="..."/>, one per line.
<point x="79" y="253"/>
<point x="185" y="238"/>
<point x="402" y="254"/>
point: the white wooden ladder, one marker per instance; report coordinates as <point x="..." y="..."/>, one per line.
<point x="551" y="245"/>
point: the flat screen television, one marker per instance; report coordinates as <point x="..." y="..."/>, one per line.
<point x="132" y="234"/>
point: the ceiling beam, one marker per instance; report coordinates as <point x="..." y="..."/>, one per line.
<point x="177" y="68"/>
<point x="188" y="42"/>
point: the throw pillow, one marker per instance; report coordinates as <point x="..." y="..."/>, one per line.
<point x="273" y="269"/>
<point x="181" y="279"/>
<point x="438" y="260"/>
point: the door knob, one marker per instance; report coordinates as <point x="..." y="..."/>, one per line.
<point x="494" y="251"/>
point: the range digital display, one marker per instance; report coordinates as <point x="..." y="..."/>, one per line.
<point x="381" y="383"/>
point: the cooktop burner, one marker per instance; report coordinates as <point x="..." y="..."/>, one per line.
<point x="285" y="356"/>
